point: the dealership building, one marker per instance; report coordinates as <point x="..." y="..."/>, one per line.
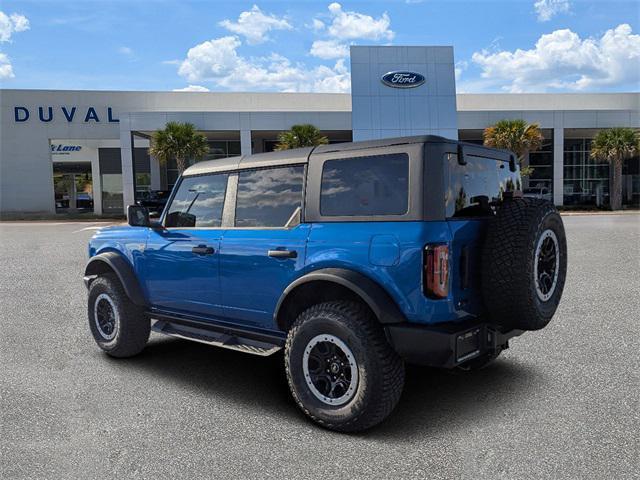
<point x="64" y="151"/>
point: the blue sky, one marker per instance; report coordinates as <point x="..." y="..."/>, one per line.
<point x="500" y="46"/>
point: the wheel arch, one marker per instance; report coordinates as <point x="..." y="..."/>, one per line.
<point x="108" y="262"/>
<point x="332" y="284"/>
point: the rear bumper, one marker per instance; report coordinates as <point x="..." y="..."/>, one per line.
<point x="447" y="345"/>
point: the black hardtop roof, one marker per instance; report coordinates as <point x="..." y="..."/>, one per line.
<point x="383" y="142"/>
<point x="301" y="155"/>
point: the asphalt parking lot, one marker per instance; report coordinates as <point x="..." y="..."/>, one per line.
<point x="561" y="403"/>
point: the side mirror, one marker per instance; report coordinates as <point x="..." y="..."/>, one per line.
<point x="138" y="216"/>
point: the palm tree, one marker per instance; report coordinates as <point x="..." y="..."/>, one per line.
<point x="615" y="145"/>
<point x="301" y="136"/>
<point x="179" y="141"/>
<point x="516" y="135"/>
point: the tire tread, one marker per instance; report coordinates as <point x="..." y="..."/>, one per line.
<point x="506" y="270"/>
<point x="369" y="331"/>
<point x="135" y="327"/>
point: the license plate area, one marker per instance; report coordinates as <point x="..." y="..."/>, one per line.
<point x="468" y="344"/>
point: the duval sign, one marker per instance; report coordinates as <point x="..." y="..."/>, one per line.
<point x="403" y="79"/>
<point x="47" y="114"/>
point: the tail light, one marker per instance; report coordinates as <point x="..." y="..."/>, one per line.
<point x="436" y="271"/>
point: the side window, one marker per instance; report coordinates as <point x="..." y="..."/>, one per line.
<point x="198" y="202"/>
<point x="269" y="197"/>
<point x="363" y="186"/>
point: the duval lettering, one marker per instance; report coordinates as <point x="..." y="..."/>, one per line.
<point x="48" y="114"/>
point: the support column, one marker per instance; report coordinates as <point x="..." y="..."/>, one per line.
<point x="73" y="194"/>
<point x="245" y="142"/>
<point x="558" y="165"/>
<point x="154" y="166"/>
<point x="126" y="157"/>
<point x="96" y="184"/>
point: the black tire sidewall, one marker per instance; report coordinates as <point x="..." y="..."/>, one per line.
<point x="105" y="285"/>
<point x="380" y="369"/>
<point x="508" y="264"/>
<point x="327" y="324"/>
<point x="546" y="309"/>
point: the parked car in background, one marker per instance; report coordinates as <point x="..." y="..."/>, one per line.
<point x="538" y="192"/>
<point x="84" y="200"/>
<point x="154" y="200"/>
<point x="353" y="258"/>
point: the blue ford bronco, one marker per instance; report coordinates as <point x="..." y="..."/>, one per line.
<point x="353" y="258"/>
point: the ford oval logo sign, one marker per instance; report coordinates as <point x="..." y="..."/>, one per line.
<point x="401" y="79"/>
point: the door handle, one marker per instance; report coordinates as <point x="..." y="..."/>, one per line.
<point x="282" y="253"/>
<point x="203" y="250"/>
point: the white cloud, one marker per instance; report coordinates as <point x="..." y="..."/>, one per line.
<point x="126" y="51"/>
<point x="561" y="60"/>
<point x="10" y="24"/>
<point x="328" y="49"/>
<point x="192" y="88"/>
<point x="212" y="59"/>
<point x="345" y="25"/>
<point x="547" y="9"/>
<point x="255" y="24"/>
<point x="6" y="70"/>
<point x="317" y="25"/>
<point x="218" y="61"/>
<point x="351" y="25"/>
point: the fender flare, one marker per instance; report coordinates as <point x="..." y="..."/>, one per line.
<point x="376" y="297"/>
<point x="122" y="269"/>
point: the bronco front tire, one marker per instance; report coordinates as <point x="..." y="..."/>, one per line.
<point x="342" y="372"/>
<point x="119" y="326"/>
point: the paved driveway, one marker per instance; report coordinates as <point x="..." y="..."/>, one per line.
<point x="561" y="403"/>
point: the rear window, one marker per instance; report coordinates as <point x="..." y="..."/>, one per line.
<point x="365" y="186"/>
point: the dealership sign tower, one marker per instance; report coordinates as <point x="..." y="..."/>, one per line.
<point x="398" y="91"/>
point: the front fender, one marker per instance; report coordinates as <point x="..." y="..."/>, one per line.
<point x="123" y="270"/>
<point x="378" y="300"/>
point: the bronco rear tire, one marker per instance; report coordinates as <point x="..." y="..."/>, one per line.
<point x="342" y="372"/>
<point x="524" y="264"/>
<point x="119" y="326"/>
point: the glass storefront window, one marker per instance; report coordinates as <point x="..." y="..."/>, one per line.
<point x="586" y="181"/>
<point x="73" y="187"/>
<point x="542" y="163"/>
<point x="143" y="182"/>
<point x="112" y="199"/>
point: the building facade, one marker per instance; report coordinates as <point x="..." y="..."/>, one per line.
<point x="63" y="151"/>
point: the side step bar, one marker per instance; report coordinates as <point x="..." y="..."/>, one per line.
<point x="216" y="338"/>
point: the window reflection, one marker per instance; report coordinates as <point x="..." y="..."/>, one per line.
<point x="269" y="197"/>
<point x="198" y="202"/>
<point x="373" y="185"/>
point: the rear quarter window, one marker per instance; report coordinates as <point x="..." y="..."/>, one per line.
<point x="365" y="186"/>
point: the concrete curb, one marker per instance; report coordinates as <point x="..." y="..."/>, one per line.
<point x="621" y="212"/>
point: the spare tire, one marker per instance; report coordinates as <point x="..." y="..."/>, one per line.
<point x="524" y="264"/>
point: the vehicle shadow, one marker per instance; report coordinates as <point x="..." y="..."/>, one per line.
<point x="436" y="401"/>
<point x="433" y="401"/>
